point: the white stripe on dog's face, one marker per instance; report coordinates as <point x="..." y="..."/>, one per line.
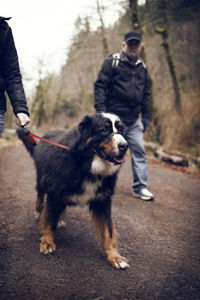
<point x="118" y="138"/>
<point x="113" y="118"/>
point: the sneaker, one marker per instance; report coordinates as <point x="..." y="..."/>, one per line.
<point x="144" y="194"/>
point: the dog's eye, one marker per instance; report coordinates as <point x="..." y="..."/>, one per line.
<point x="120" y="127"/>
<point x="107" y="127"/>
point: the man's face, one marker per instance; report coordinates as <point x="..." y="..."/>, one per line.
<point x="132" y="49"/>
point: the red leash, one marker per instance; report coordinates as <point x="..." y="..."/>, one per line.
<point x="31" y="138"/>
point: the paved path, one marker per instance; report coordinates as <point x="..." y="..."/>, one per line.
<point x="160" y="239"/>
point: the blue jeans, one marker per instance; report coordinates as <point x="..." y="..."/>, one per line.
<point x="2" y="117"/>
<point x="134" y="137"/>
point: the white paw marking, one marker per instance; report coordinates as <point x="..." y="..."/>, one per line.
<point x="47" y="248"/>
<point x="117" y="266"/>
<point x="37" y="214"/>
<point x="124" y="265"/>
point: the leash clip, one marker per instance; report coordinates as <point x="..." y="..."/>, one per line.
<point x="25" y="129"/>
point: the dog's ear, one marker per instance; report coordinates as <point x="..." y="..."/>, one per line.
<point x="84" y="130"/>
<point x="87" y="120"/>
<point x="85" y="127"/>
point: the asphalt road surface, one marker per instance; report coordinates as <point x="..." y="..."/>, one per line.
<point x="160" y="239"/>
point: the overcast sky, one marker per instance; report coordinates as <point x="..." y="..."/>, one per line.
<point x="43" y="29"/>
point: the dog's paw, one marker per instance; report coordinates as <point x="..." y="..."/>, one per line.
<point x="37" y="214"/>
<point x="46" y="247"/>
<point x="118" y="262"/>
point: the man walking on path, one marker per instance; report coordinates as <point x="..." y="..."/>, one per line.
<point x="122" y="88"/>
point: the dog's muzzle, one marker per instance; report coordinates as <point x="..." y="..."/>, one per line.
<point x="113" y="149"/>
<point x="121" y="148"/>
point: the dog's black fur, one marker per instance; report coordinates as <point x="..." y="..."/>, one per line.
<point x="89" y="166"/>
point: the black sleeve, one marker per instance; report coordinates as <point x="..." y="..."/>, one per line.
<point x="146" y="99"/>
<point x="102" y="85"/>
<point x="12" y="76"/>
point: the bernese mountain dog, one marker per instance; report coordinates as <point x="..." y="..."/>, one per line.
<point x="84" y="174"/>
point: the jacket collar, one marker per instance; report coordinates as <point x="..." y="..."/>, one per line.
<point x="124" y="57"/>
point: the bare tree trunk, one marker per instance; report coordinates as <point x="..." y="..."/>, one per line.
<point x="134" y="14"/>
<point x="58" y="96"/>
<point x="103" y="31"/>
<point x="136" y="22"/>
<point x="165" y="33"/>
<point x="82" y="89"/>
<point x="137" y="26"/>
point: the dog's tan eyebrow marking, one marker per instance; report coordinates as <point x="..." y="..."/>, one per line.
<point x="107" y="123"/>
<point x="118" y="123"/>
<point x="88" y="140"/>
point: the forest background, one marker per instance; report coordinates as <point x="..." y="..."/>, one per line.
<point x="171" y="50"/>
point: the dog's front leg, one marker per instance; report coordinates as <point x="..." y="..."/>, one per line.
<point x="107" y="234"/>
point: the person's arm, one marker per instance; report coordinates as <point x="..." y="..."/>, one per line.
<point x="102" y="86"/>
<point x="146" y="103"/>
<point x="13" y="80"/>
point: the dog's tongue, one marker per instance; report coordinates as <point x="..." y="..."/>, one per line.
<point x="119" y="159"/>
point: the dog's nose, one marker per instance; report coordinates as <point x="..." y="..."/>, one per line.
<point x="123" y="147"/>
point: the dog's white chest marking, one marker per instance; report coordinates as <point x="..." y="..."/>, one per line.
<point x="103" y="167"/>
<point x="89" y="193"/>
<point x="99" y="167"/>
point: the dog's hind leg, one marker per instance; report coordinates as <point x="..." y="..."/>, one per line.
<point x="39" y="204"/>
<point x="102" y="219"/>
<point x="48" y="224"/>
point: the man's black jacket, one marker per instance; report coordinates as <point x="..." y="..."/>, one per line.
<point x="10" y="76"/>
<point x="123" y="90"/>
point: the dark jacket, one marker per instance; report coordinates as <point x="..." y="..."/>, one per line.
<point x="10" y="76"/>
<point x="123" y="90"/>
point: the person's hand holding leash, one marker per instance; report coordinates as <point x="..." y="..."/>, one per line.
<point x="23" y="119"/>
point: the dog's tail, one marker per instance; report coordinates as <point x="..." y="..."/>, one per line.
<point x="23" y="137"/>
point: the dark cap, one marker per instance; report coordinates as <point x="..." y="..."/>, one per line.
<point x="132" y="35"/>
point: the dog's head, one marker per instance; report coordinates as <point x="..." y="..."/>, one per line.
<point x="104" y="134"/>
